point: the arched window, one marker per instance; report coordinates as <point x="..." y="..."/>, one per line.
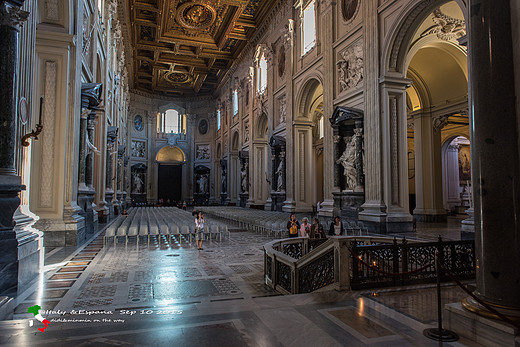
<point x="320" y="127"/>
<point x="308" y="28"/>
<point x="262" y="74"/>
<point x="218" y="119"/>
<point x="171" y="122"/>
<point x="235" y="102"/>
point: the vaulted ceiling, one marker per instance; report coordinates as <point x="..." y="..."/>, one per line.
<point x="185" y="47"/>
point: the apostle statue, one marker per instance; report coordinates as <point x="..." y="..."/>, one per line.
<point x="203" y="184"/>
<point x="138" y="183"/>
<point x="279" y="174"/>
<point x="243" y="175"/>
<point x="348" y="161"/>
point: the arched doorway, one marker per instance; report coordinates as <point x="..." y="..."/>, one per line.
<point x="260" y="175"/>
<point x="170" y="162"/>
<point x="308" y="144"/>
<point x="437" y="103"/>
<point x="456" y="175"/>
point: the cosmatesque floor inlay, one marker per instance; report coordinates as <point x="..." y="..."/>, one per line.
<point x="173" y="294"/>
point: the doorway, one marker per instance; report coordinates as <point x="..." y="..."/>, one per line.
<point x="170" y="183"/>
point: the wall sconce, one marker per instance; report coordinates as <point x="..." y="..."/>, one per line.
<point x="34" y="133"/>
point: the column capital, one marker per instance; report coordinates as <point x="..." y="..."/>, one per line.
<point x="440" y="122"/>
<point x="12" y="15"/>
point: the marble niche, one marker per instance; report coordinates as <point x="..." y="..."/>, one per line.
<point x="278" y="196"/>
<point x="244" y="177"/>
<point x="138" y="183"/>
<point x="349" y="173"/>
<point x="201" y="193"/>
<point x="223" y="182"/>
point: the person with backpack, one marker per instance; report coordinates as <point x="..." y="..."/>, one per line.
<point x="293" y="226"/>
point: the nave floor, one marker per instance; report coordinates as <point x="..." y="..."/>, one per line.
<point x="215" y="297"/>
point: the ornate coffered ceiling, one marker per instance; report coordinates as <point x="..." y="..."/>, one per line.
<point x="184" y="47"/>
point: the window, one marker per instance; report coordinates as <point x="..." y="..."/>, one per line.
<point x="308" y="28"/>
<point x="320" y="127"/>
<point x="218" y="120"/>
<point x="262" y="75"/>
<point x="235" y="102"/>
<point x="171" y="122"/>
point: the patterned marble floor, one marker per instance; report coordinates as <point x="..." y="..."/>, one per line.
<point x="173" y="294"/>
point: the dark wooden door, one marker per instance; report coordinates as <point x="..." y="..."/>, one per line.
<point x="170" y="183"/>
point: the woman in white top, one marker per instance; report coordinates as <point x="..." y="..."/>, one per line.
<point x="336" y="228"/>
<point x="199" y="229"/>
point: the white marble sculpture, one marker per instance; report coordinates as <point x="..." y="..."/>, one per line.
<point x="348" y="161"/>
<point x="279" y="173"/>
<point x="243" y="175"/>
<point x="138" y="183"/>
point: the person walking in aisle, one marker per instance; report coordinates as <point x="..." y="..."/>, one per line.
<point x="199" y="230"/>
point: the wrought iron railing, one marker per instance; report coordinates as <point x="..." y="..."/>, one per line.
<point x="301" y="265"/>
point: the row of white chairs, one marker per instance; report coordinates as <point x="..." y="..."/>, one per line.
<point x="272" y="223"/>
<point x="157" y="221"/>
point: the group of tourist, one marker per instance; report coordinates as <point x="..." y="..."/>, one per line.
<point x="314" y="230"/>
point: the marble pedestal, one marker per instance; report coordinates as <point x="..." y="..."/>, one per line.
<point x="6" y="308"/>
<point x="468" y="224"/>
<point x="69" y="231"/>
<point x="485" y="331"/>
<point x="243" y="199"/>
<point x="223" y="199"/>
<point x="109" y="195"/>
<point x="85" y="201"/>
<point x="277" y="200"/>
<point x="348" y="204"/>
<point x="30" y="244"/>
<point x="201" y="198"/>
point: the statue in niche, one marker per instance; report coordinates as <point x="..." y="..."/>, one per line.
<point x="243" y="175"/>
<point x="223" y="181"/>
<point x="348" y="161"/>
<point x="138" y="183"/>
<point x="283" y="109"/>
<point x="279" y="173"/>
<point x="203" y="184"/>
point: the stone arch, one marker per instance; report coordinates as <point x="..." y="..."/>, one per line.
<point x="262" y="127"/>
<point x="306" y="95"/>
<point x="396" y="48"/>
<point x="235" y="141"/>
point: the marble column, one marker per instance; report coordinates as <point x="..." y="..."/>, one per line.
<point x="289" y="204"/>
<point x="451" y="174"/>
<point x="10" y="184"/>
<point x="328" y="12"/>
<point x="428" y="168"/>
<point x="374" y="208"/>
<point x="495" y="162"/>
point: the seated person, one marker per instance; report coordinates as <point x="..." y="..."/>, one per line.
<point x="336" y="228"/>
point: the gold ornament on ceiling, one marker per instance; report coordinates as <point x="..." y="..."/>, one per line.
<point x="178" y="77"/>
<point x="195" y="15"/>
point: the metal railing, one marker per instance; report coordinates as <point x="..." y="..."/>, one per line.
<point x="302" y="265"/>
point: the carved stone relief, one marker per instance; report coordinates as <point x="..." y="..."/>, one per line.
<point x="446" y="28"/>
<point x="138" y="149"/>
<point x="283" y="109"/>
<point x="203" y="152"/>
<point x="351" y="66"/>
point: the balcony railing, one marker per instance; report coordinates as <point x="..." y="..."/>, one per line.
<point x="302" y="265"/>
